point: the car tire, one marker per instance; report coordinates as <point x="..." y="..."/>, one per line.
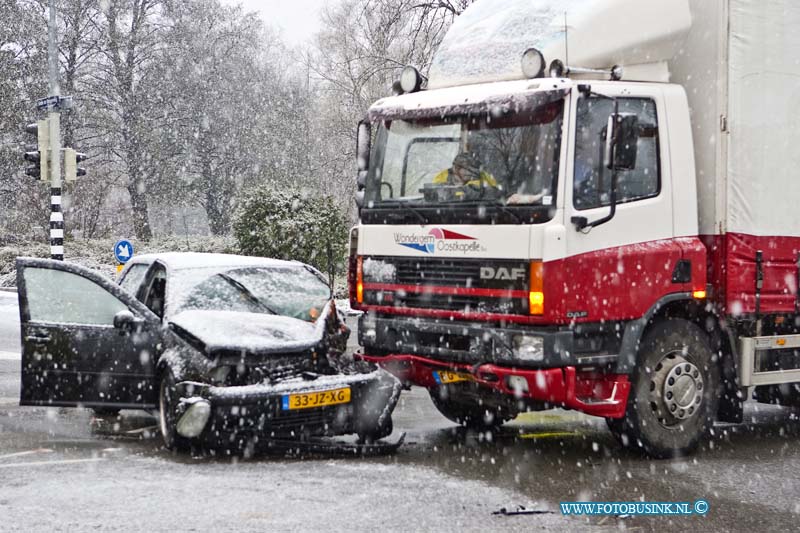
<point x="167" y="409"/>
<point x="674" y="392"/>
<point x="473" y="416"/>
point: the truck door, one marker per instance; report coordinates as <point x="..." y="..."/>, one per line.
<point x="612" y="270"/>
<point x="72" y="351"/>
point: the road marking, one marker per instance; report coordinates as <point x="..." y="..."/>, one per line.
<point x="550" y="435"/>
<point x="9" y="401"/>
<point x="9" y="356"/>
<point x="50" y="463"/>
<point x="30" y="452"/>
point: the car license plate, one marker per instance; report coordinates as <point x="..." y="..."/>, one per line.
<point x="322" y="398"/>
<point x="446" y="376"/>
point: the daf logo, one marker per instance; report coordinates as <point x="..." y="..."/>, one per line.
<point x="502" y="273"/>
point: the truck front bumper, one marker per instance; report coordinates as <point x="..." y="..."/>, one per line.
<point x="591" y="392"/>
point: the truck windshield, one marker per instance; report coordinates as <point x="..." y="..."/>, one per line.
<point x="507" y="162"/>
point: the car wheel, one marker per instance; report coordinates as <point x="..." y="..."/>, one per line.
<point x="167" y="411"/>
<point x="105" y="412"/>
<point x="471" y="415"/>
<point x="674" y="397"/>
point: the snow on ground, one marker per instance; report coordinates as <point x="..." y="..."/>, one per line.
<point x="9" y="326"/>
<point x="320" y="495"/>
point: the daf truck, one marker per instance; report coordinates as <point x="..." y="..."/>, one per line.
<point x="624" y="237"/>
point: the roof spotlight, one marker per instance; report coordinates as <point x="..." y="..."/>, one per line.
<point x="396" y="88"/>
<point x="533" y="63"/>
<point x="410" y="80"/>
<point x="557" y="69"/>
<point x="616" y="72"/>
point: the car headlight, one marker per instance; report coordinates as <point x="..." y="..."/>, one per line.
<point x="528" y="348"/>
<point x="220" y="374"/>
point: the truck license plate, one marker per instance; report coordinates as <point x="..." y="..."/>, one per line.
<point x="447" y="376"/>
<point x="309" y="400"/>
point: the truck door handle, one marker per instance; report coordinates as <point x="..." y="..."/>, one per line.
<point x="38" y="339"/>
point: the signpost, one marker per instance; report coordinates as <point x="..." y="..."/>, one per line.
<point x="123" y="251"/>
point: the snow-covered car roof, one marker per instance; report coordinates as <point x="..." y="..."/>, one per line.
<point x="187" y="260"/>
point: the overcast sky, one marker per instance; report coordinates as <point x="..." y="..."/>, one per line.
<point x="298" y="19"/>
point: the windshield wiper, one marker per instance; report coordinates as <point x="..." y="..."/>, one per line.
<point x="422" y="218"/>
<point x="490" y="203"/>
<point x="239" y="285"/>
<point x="502" y="207"/>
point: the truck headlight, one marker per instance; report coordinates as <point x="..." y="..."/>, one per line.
<point x="528" y="348"/>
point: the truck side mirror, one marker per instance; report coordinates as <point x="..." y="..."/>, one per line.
<point x="363" y="142"/>
<point x="622" y="141"/>
<point x="363" y="147"/>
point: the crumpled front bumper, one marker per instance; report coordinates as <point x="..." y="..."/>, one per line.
<point x="593" y="393"/>
<point x="244" y="415"/>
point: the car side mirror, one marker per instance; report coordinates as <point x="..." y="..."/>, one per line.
<point x="124" y="320"/>
<point x="622" y="141"/>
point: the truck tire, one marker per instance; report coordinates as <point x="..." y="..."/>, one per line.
<point x="167" y="409"/>
<point x="674" y="392"/>
<point x="473" y="416"/>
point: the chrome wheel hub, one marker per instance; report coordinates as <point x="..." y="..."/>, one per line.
<point x="676" y="389"/>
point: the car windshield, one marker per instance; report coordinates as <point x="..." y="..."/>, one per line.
<point x="505" y="158"/>
<point x="289" y="291"/>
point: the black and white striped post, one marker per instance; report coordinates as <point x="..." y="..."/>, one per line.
<point x="54" y="124"/>
<point x="56" y="225"/>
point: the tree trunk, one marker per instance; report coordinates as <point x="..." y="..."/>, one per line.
<point x="141" y="224"/>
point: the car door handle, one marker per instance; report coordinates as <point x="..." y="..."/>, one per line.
<point x="38" y="339"/>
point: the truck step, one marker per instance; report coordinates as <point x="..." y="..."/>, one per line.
<point x="751" y="349"/>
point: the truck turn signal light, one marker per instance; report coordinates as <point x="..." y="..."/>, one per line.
<point x="359" y="280"/>
<point x="536" y="289"/>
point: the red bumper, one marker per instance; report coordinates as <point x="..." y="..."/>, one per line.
<point x="593" y="393"/>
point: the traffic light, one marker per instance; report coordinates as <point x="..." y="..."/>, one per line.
<point x="40" y="153"/>
<point x="71" y="169"/>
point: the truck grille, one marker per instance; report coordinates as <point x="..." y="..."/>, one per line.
<point x="402" y="281"/>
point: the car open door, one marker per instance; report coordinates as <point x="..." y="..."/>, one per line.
<point x="85" y="340"/>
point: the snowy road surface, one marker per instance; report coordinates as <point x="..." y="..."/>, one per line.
<point x="9" y="325"/>
<point x="62" y="469"/>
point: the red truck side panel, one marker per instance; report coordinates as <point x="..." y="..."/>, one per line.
<point x="623" y="282"/>
<point x="732" y="271"/>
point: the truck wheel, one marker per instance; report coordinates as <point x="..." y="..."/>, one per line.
<point x="674" y="394"/>
<point x="167" y="409"/>
<point x="480" y="417"/>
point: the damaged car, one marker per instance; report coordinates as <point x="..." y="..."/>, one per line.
<point x="232" y="352"/>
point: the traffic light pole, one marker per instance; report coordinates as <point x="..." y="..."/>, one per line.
<point x="54" y="124"/>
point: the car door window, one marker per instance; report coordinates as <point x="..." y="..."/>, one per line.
<point x="133" y="278"/>
<point x="56" y="296"/>
<point x="592" y="184"/>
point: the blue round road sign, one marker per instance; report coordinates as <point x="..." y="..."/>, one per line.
<point x="123" y="250"/>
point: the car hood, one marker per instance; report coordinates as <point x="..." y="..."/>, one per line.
<point x="251" y="332"/>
